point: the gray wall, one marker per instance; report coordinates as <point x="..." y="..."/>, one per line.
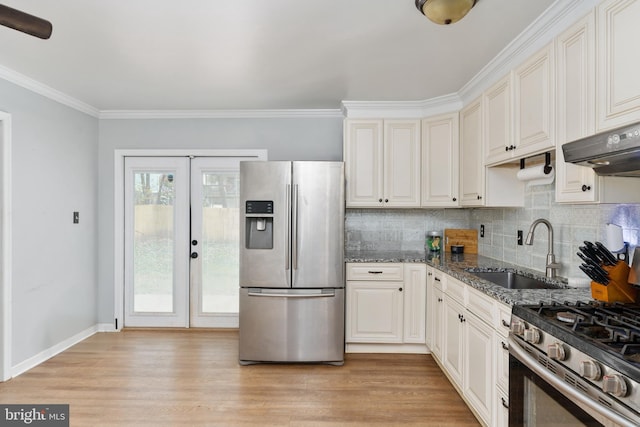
<point x="300" y="138"/>
<point x="54" y="265"/>
<point x="404" y="229"/>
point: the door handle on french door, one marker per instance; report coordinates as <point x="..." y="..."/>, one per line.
<point x="194" y="255"/>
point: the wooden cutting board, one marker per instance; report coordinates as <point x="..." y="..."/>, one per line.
<point x="459" y="236"/>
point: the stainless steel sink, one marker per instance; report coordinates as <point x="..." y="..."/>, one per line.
<point x="511" y="280"/>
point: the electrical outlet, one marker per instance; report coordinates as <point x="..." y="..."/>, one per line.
<point x="519" y="237"/>
<point x="481" y="230"/>
<point x="76" y="217"/>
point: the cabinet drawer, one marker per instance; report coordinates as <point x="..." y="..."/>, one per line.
<point x="375" y="271"/>
<point x="503" y="319"/>
<point x="455" y="289"/>
<point x="481" y="305"/>
<point x="438" y="279"/>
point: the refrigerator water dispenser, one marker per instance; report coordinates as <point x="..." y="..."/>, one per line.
<point x="259" y="229"/>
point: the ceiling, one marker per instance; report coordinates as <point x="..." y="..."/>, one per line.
<point x="256" y="54"/>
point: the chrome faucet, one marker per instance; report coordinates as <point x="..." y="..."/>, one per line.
<point x="552" y="265"/>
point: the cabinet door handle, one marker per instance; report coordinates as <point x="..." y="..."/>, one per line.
<point x="400" y="289"/>
<point x="504" y="346"/>
<point x="506" y="148"/>
<point x="439" y="299"/>
<point x="504" y="323"/>
<point x="586" y="187"/>
<point x="386" y="200"/>
<point x="455" y="199"/>
<point x="374" y="272"/>
<point x="504" y="403"/>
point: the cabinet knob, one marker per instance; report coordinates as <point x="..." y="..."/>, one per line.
<point x="586" y="187"/>
<point x="455" y="199"/>
<point x="386" y="200"/>
<point x="439" y="299"/>
<point x="506" y="148"/>
<point x="400" y="289"/>
<point x="479" y="197"/>
<point x="504" y="346"/>
<point x="380" y="200"/>
<point x="504" y="403"/>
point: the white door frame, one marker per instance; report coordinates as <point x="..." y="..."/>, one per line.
<point x="118" y="208"/>
<point x="5" y="248"/>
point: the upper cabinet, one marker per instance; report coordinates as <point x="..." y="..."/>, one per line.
<point x="534" y="104"/>
<point x="498" y="136"/>
<point x="519" y="111"/>
<point x="471" y="155"/>
<point x="575" y="79"/>
<point x="576" y="106"/>
<point x="618" y="85"/>
<point x="440" y="152"/>
<point x="382" y="163"/>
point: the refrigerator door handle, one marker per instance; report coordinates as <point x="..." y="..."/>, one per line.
<point x="287" y="233"/>
<point x="294" y="250"/>
<point x="322" y="295"/>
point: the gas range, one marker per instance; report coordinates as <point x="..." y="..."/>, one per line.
<point x="593" y="347"/>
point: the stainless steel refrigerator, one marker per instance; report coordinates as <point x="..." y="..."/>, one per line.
<point x="292" y="262"/>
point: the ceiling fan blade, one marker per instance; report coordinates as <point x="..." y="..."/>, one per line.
<point x="24" y="22"/>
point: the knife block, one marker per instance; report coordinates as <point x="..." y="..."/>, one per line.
<point x="618" y="289"/>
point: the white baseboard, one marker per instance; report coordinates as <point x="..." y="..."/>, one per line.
<point x="386" y="348"/>
<point x="106" y="327"/>
<point x="34" y="361"/>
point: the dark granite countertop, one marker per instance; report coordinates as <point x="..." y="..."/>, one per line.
<point x="456" y="265"/>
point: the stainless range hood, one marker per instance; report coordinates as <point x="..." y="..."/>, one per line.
<point x="612" y="153"/>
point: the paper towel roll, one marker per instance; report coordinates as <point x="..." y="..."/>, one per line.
<point x="535" y="175"/>
<point x="615" y="241"/>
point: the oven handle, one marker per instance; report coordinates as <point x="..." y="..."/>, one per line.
<point x="531" y="363"/>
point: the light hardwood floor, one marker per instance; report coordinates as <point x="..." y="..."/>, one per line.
<point x="192" y="377"/>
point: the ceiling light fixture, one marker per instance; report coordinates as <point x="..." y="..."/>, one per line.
<point x="445" y="12"/>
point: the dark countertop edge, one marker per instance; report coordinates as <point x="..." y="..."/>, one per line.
<point x="454" y="265"/>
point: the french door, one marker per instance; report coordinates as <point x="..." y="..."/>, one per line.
<point x="181" y="241"/>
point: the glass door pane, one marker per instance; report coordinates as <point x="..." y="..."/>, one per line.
<point x="156" y="229"/>
<point x="215" y="232"/>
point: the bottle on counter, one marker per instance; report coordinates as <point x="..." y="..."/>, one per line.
<point x="433" y="240"/>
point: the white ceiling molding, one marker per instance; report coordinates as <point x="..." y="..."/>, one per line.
<point x="46" y="91"/>
<point x="558" y="17"/>
<point x="401" y="109"/>
<point x="218" y="114"/>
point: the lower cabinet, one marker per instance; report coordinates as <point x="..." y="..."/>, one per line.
<point x="385" y="307"/>
<point x="468" y="341"/>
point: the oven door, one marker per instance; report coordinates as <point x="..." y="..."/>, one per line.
<point x="539" y="398"/>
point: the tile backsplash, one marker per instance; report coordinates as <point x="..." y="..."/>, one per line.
<point x="404" y="229"/>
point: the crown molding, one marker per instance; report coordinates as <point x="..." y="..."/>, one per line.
<point x="558" y="17"/>
<point x="46" y="91"/>
<point x="219" y="114"/>
<point x="402" y="109"/>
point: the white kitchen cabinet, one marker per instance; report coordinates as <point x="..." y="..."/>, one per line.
<point x="382" y="163"/>
<point x="415" y="292"/>
<point x="472" y="169"/>
<point x="440" y="161"/>
<point x="374" y="312"/>
<point x="453" y="338"/>
<point x="466" y="328"/>
<point x="618" y="86"/>
<point x="385" y="308"/>
<point x="534" y="104"/>
<point x="575" y="76"/>
<point x="478" y="365"/>
<point x="435" y="304"/>
<point x="498" y="118"/>
<point x="502" y="410"/>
